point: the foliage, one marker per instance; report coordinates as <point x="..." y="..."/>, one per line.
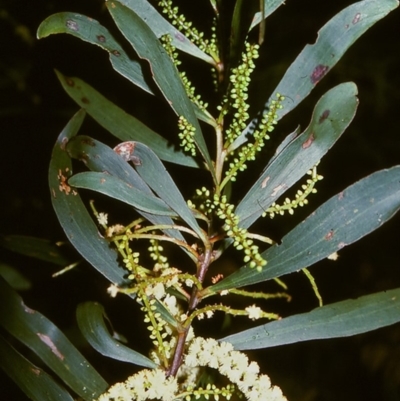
<point x="213" y="220"/>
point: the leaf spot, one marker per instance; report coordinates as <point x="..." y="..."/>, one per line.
<point x="309" y="141"/>
<point x="116" y="53"/>
<point x="126" y="150"/>
<point x="265" y="181"/>
<point x="329" y="236"/>
<point x="324" y="116"/>
<point x="277" y="189"/>
<point x="49" y="342"/>
<point x="318" y="73"/>
<point x="101" y="38"/>
<point x="356" y="18"/>
<point x="70" y="82"/>
<point x="71" y="24"/>
<point x="180" y="37"/>
<point x="85" y="100"/>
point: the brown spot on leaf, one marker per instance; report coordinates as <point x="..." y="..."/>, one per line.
<point x="341" y="245"/>
<point x="324" y="116"/>
<point x="85" y="100"/>
<point x="70" y="82"/>
<point x="89" y="142"/>
<point x="318" y="73"/>
<point x="101" y="38"/>
<point x="309" y="141"/>
<point x="329" y="236"/>
<point x="49" y="342"/>
<point x="63" y="186"/>
<point x="341" y="195"/>
<point x="116" y="53"/>
<point x="126" y="150"/>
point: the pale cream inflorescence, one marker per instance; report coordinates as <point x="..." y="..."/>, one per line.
<point x="155" y="385"/>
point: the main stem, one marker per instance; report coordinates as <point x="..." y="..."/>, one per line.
<point x="194" y="300"/>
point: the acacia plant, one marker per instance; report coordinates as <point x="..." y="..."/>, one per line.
<point x="172" y="295"/>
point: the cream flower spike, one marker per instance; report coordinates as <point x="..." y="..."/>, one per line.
<point x="243" y="375"/>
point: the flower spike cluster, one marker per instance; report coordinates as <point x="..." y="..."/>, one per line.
<point x="243" y="375"/>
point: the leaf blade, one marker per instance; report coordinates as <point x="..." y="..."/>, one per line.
<point x="49" y="343"/>
<point x="33" y="381"/>
<point x="316" y="60"/>
<point x="345" y="218"/>
<point x="90" y="30"/>
<point x="72" y="213"/>
<point x="163" y="71"/>
<point x="119" y="123"/>
<point x="90" y="317"/>
<point x="341" y="319"/>
<point x="331" y="116"/>
<point x="118" y="189"/>
<point x="160" y="26"/>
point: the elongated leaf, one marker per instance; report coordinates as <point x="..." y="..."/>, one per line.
<point x="269" y="7"/>
<point x="316" y="60"/>
<point x="91" y="31"/>
<point x="163" y="71"/>
<point x="345" y="218"/>
<point x="160" y="26"/>
<point x="90" y="317"/>
<point x="72" y="214"/>
<point x="332" y="115"/>
<point x="119" y="123"/>
<point x="33" y="381"/>
<point x="99" y="157"/>
<point x="341" y="319"/>
<point x="156" y="176"/>
<point x="14" y="277"/>
<point x="49" y="343"/>
<point x="33" y="247"/>
<point x="118" y="189"/>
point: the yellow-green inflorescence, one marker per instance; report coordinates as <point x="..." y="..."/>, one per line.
<point x="225" y="211"/>
<point x="179" y="20"/>
<point x="186" y="135"/>
<point x="249" y="151"/>
<point x="237" y="96"/>
<point x="300" y="197"/>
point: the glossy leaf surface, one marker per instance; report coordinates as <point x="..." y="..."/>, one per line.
<point x="341" y="319"/>
<point x="71" y="211"/>
<point x="345" y="218"/>
<point x="119" y="123"/>
<point x="43" y="338"/>
<point x="332" y="115"/>
<point x="33" y="381"/>
<point x="163" y="71"/>
<point x="90" y="317"/>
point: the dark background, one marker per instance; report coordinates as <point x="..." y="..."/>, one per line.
<point x="34" y="109"/>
